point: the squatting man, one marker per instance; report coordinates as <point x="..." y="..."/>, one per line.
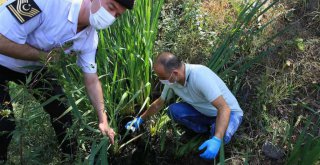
<point x="29" y="31"/>
<point x="207" y="104"/>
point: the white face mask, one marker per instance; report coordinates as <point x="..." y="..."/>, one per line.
<point x="167" y="82"/>
<point x="101" y="19"/>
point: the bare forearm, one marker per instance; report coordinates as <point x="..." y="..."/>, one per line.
<point x="20" y="51"/>
<point x="153" y="109"/>
<point x="94" y="91"/>
<point x="97" y="101"/>
<point x="223" y="116"/>
<point x="149" y="112"/>
<point x="222" y="122"/>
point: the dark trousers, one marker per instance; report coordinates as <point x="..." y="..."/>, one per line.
<point x="43" y="86"/>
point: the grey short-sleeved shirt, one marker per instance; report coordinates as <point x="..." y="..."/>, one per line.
<point x="54" y="26"/>
<point x="202" y="86"/>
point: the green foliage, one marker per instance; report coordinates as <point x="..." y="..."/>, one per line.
<point x="300" y="44"/>
<point x="100" y="149"/>
<point x="275" y="88"/>
<point x="126" y="50"/>
<point x="221" y="154"/>
<point x="306" y="149"/>
<point x="125" y="61"/>
<point x="31" y="120"/>
<point x="184" y="31"/>
<point x="225" y="59"/>
<point x="160" y="124"/>
<point x="297" y="44"/>
<point x="191" y="145"/>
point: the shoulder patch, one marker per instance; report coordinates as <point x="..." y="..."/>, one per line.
<point x="24" y="10"/>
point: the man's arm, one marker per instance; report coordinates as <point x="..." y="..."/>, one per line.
<point x="223" y="116"/>
<point x="213" y="145"/>
<point x="94" y="91"/>
<point x="153" y="109"/>
<point x="20" y="51"/>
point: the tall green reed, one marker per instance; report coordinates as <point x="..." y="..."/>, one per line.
<point x="124" y="60"/>
<point x="239" y="40"/>
<point x="126" y="49"/>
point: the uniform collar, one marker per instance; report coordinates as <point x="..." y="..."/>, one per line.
<point x="74" y="11"/>
<point x="187" y="73"/>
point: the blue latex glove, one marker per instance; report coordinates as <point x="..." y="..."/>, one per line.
<point x="134" y="124"/>
<point x="213" y="146"/>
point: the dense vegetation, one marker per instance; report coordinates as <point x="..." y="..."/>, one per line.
<point x="266" y="51"/>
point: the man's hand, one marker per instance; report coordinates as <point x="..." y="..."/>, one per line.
<point x="52" y="56"/>
<point x="55" y="54"/>
<point x="134" y="124"/>
<point x="213" y="146"/>
<point x="107" y="131"/>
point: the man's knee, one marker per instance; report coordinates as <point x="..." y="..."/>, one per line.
<point x="173" y="111"/>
